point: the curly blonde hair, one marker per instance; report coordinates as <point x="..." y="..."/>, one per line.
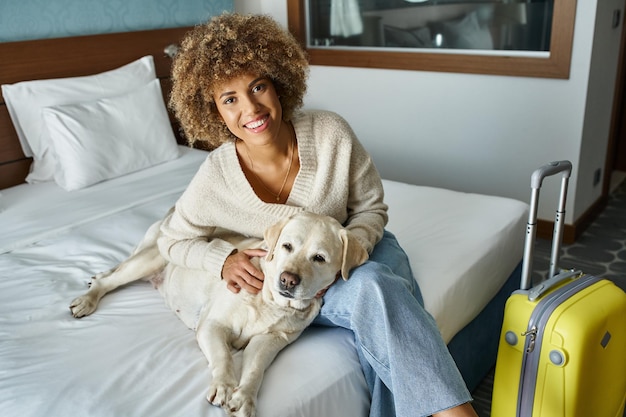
<point x="227" y="46"/>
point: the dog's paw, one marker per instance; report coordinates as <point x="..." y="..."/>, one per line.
<point x="241" y="405"/>
<point x="220" y="392"/>
<point x="83" y="306"/>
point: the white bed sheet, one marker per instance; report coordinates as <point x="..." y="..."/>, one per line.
<point x="35" y="211"/>
<point x="134" y="357"/>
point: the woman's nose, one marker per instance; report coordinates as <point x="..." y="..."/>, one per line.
<point x="251" y="104"/>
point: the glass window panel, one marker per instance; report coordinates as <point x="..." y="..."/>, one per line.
<point x="504" y="25"/>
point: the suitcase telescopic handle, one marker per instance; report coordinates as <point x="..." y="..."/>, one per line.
<point x="536" y="180"/>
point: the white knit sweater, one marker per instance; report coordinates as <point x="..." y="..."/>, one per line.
<point x="337" y="177"/>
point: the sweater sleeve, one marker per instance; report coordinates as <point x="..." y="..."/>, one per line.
<point x="190" y="235"/>
<point x="367" y="212"/>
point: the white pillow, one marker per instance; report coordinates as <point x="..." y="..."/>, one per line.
<point x="109" y="137"/>
<point x="25" y="101"/>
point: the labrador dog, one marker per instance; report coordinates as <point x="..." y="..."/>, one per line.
<point x="306" y="253"/>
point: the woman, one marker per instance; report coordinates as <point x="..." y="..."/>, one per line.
<point x="237" y="83"/>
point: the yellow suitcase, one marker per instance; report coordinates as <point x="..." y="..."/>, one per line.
<point x="562" y="349"/>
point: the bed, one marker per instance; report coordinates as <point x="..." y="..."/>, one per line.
<point x="133" y="356"/>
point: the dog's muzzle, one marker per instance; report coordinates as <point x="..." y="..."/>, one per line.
<point x="288" y="283"/>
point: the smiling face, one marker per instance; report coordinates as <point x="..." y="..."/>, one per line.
<point x="250" y="108"/>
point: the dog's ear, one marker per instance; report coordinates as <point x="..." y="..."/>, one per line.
<point x="353" y="253"/>
<point x="271" y="236"/>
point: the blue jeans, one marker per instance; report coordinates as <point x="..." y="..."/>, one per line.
<point x="407" y="366"/>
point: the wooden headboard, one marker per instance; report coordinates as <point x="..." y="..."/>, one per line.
<point x="71" y="57"/>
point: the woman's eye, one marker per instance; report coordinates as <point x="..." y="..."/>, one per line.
<point x="287" y="247"/>
<point x="319" y="258"/>
<point x="258" y="87"/>
<point x="229" y="100"/>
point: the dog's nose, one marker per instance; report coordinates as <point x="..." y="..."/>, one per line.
<point x="289" y="280"/>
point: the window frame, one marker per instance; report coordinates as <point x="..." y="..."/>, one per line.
<point x="555" y="65"/>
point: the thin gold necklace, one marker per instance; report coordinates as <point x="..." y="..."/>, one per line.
<point x="282" y="187"/>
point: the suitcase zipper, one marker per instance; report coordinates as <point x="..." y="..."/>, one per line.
<point x="534" y="338"/>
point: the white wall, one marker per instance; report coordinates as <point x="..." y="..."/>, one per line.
<point x="600" y="95"/>
<point x="480" y="133"/>
<point x="276" y="8"/>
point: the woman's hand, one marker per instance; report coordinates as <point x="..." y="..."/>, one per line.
<point x="240" y="273"/>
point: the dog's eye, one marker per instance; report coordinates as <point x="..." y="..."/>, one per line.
<point x="319" y="258"/>
<point x="287" y="247"/>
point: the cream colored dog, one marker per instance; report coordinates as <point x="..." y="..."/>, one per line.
<point x="305" y="254"/>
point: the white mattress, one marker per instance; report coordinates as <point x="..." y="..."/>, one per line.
<point x="461" y="246"/>
<point x="134" y="357"/>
